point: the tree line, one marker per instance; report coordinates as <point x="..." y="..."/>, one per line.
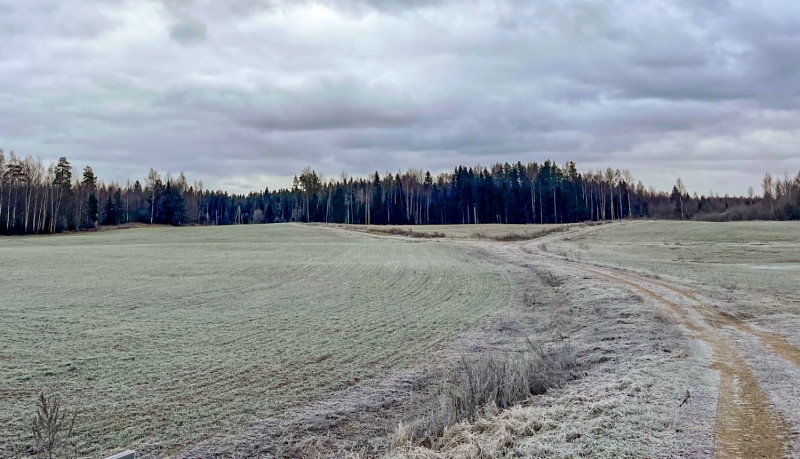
<point x="36" y="199"/>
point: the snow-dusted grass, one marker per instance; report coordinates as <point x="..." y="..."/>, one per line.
<point x="168" y="337"/>
<point x="761" y="256"/>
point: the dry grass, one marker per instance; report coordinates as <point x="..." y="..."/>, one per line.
<point x="549" y="278"/>
<point x="492" y="381"/>
<point x="636" y="367"/>
<point x="535" y="233"/>
<point x="489" y="231"/>
<point x="407" y="232"/>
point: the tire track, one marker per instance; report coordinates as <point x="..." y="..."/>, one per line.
<point x="746" y="424"/>
<point x="779" y="344"/>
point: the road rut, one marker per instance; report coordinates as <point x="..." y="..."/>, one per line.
<point x="746" y="425"/>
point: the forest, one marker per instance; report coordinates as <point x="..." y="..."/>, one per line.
<point x="36" y="198"/>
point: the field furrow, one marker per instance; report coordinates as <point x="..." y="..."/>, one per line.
<point x="169" y="337"/>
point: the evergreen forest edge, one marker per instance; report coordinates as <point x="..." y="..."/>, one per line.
<point x="36" y="199"/>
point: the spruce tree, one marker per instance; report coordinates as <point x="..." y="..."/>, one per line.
<point x="110" y="217"/>
<point x="173" y="207"/>
<point x="92" y="210"/>
<point x="119" y="208"/>
<point x="377" y="217"/>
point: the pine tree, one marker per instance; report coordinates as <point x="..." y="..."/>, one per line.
<point x="89" y="178"/>
<point x="676" y="199"/>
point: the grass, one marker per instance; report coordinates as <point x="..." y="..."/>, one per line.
<point x="492" y="381"/>
<point x="537" y="232"/>
<point x="762" y="256"/>
<point x="634" y="373"/>
<point x="488" y="231"/>
<point x="169" y="337"/>
<point x="406" y="232"/>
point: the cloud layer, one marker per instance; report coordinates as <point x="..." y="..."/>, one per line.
<point x="245" y="93"/>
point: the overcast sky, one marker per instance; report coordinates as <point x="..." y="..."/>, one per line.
<point x="245" y="93"/>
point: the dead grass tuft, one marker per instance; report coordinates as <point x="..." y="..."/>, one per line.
<point x="486" y="384"/>
<point x="408" y="232"/>
<point x="527" y="235"/>
<point x="549" y="278"/>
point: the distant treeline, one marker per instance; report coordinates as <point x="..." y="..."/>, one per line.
<point x="35" y="198"/>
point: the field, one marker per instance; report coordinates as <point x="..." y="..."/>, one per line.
<point x="169" y="337"/>
<point x="759" y="256"/>
<point x="735" y="288"/>
<point x="689" y="336"/>
<point x="348" y="341"/>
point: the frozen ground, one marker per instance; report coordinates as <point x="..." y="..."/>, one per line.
<point x="168" y="337"/>
<point x="679" y="357"/>
<point x="736" y="366"/>
<point x="638" y="363"/>
<point x="720" y="258"/>
<point x="735" y="286"/>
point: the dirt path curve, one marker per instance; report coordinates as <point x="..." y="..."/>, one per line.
<point x="746" y="426"/>
<point x="779" y="344"/>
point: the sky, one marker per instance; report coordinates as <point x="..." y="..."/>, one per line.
<point x="244" y="94"/>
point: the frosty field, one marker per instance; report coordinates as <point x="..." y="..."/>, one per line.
<point x="169" y="337"/>
<point x="329" y="341"/>
<point x="761" y="256"/>
<point x="689" y="336"/>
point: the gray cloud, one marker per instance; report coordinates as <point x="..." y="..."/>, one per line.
<point x="708" y="91"/>
<point x="188" y="32"/>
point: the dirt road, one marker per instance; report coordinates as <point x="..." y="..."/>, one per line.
<point x="747" y="424"/>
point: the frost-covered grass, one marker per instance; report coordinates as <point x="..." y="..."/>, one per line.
<point x="637" y="366"/>
<point x="168" y="337"/>
<point x="761" y="256"/>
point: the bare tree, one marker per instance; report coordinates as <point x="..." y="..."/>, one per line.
<point x="610" y="178"/>
<point x="626" y="174"/>
<point x="768" y="191"/>
<point x="681" y="193"/>
<point x="153" y="185"/>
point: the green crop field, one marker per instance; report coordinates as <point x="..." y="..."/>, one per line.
<point x="173" y="336"/>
